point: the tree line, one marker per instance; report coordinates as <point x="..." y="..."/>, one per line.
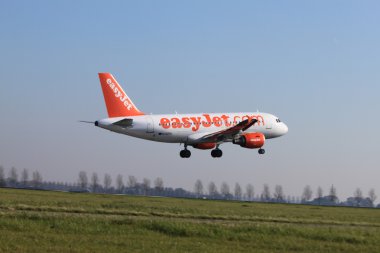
<point x="105" y="184"/>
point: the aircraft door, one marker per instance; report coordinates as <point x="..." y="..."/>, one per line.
<point x="149" y="125"/>
<point x="268" y="124"/>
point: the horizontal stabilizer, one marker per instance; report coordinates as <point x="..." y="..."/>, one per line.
<point x="124" y="123"/>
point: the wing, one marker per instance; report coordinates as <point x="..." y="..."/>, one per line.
<point x="228" y="133"/>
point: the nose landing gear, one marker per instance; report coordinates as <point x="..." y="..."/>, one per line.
<point x="261" y="151"/>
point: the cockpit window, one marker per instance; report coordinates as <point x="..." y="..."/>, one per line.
<point x="278" y="120"/>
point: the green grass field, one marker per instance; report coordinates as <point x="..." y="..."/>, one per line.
<point x="42" y="221"/>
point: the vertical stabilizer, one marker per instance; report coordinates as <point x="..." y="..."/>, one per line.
<point x="117" y="102"/>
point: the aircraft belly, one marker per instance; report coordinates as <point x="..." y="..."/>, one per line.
<point x="158" y="136"/>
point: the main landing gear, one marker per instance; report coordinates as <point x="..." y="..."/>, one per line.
<point x="216" y="153"/>
<point x="185" y="153"/>
<point x="261" y="151"/>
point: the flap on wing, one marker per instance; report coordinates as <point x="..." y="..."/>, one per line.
<point x="229" y="132"/>
<point x="124" y="123"/>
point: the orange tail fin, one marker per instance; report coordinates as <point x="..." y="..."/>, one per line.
<point x="117" y="102"/>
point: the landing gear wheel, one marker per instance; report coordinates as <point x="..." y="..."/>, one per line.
<point x="216" y="153"/>
<point x="261" y="151"/>
<point x="185" y="153"/>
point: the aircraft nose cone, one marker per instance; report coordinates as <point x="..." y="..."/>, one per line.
<point x="284" y="129"/>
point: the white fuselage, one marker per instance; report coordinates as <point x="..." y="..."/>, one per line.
<point x="188" y="128"/>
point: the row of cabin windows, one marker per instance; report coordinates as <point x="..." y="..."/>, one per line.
<point x="235" y="122"/>
<point x="195" y="123"/>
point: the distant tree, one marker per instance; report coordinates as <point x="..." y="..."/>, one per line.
<point x="372" y="195"/>
<point x="24" y="177"/>
<point x="159" y="184"/>
<point x="212" y="189"/>
<point x="307" y="193"/>
<point x="13" y="175"/>
<point x="237" y="191"/>
<point x="36" y="178"/>
<point x="225" y="189"/>
<point x="319" y="194"/>
<point x="265" y="195"/>
<point x="358" y="194"/>
<point x="198" y="188"/>
<point x="146" y="185"/>
<point x="83" y="180"/>
<point x="2" y="177"/>
<point x="119" y="183"/>
<point x="250" y="191"/>
<point x="107" y="181"/>
<point x="332" y="193"/>
<point x="94" y="182"/>
<point x="132" y="181"/>
<point x="278" y="193"/>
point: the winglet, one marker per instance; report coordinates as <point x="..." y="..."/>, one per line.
<point x="117" y="102"/>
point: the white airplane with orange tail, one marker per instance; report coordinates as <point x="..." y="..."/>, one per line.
<point x="201" y="131"/>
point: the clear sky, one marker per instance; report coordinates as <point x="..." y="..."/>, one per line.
<point x="315" y="64"/>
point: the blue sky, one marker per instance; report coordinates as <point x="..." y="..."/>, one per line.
<point x="313" y="64"/>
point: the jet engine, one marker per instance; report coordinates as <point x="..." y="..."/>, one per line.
<point x="250" y="140"/>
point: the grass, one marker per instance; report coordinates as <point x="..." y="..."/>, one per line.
<point x="41" y="221"/>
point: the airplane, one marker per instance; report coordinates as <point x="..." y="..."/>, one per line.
<point x="201" y="131"/>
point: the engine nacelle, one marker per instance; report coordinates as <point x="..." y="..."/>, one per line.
<point x="206" y="145"/>
<point x="250" y="140"/>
